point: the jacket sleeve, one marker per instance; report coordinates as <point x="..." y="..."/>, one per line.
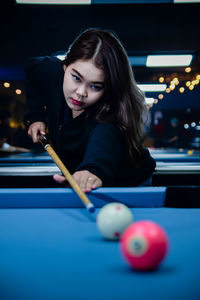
<point x="103" y="152"/>
<point x="36" y="82"/>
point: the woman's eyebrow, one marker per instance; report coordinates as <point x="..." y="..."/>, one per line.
<point x="96" y="82"/>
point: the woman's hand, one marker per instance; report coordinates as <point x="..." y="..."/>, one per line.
<point x="86" y="180"/>
<point x="36" y="130"/>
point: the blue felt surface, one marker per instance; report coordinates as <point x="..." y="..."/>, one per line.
<point x="24" y="158"/>
<point x="191" y="159"/>
<point x="59" y="254"/>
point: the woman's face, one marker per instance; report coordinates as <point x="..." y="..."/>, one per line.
<point x="83" y="85"/>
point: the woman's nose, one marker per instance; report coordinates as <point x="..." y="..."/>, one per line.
<point x="82" y="90"/>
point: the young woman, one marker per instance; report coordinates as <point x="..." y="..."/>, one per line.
<point x="93" y="110"/>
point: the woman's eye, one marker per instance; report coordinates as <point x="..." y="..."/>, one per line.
<point x="76" y="78"/>
<point x="96" y="87"/>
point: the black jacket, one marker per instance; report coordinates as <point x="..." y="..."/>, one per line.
<point x="82" y="143"/>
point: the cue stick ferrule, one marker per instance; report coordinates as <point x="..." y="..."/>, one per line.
<point x="45" y="146"/>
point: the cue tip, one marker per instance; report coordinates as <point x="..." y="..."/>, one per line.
<point x="90" y="207"/>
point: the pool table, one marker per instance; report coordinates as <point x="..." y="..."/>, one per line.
<point x="50" y="247"/>
<point x="173" y="167"/>
<point x="176" y="155"/>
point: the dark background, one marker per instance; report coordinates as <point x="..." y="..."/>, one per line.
<point x="161" y="28"/>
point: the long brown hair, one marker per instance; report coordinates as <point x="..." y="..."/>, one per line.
<point x="123" y="102"/>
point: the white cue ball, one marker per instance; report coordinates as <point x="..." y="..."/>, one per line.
<point x="113" y="219"/>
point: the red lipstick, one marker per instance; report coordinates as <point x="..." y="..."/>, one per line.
<point x="76" y="102"/>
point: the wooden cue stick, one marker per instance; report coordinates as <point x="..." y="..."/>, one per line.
<point x="69" y="177"/>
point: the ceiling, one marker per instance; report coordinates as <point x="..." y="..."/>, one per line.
<point x="28" y="30"/>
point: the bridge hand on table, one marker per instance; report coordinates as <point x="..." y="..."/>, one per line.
<point x="86" y="180"/>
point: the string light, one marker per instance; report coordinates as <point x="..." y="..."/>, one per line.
<point x="198" y="76"/>
<point x="181" y="90"/>
<point x="195" y="82"/>
<point x="13" y="124"/>
<point x="175" y="81"/>
<point x="161" y="79"/>
<point x="178" y="79"/>
<point x="188" y="70"/>
<point x="6" y="84"/>
<point x="18" y="91"/>
<point x="172" y="87"/>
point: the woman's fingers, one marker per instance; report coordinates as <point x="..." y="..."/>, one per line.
<point x="60" y="179"/>
<point x="36" y="130"/>
<point x="87" y="181"/>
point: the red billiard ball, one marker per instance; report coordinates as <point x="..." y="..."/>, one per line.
<point x="144" y="245"/>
